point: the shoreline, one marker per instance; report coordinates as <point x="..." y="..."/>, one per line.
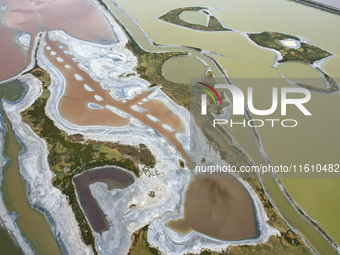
<point x="94" y="169"/>
<point x="30" y="66"/>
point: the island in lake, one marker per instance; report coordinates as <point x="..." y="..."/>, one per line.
<point x="176" y="17"/>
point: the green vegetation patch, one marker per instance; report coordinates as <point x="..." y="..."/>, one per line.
<point x="173" y="17"/>
<point x="71" y="155"/>
<point x="287" y="244"/>
<point x="140" y="244"/>
<point x="150" y="68"/>
<point x="306" y="53"/>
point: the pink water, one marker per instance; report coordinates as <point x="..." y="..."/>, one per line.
<point x="12" y="58"/>
<point x="79" y="18"/>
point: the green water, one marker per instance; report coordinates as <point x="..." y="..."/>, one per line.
<point x="194" y="17"/>
<point x="183" y="69"/>
<point x="10" y="93"/>
<point x="7" y="244"/>
<point x="314" y="238"/>
<point x="33" y="223"/>
<point x="316" y="138"/>
<point x="324" y="195"/>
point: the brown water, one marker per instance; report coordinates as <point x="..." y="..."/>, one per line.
<point x="77" y="17"/>
<point x="220" y="208"/>
<point x="114" y="178"/>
